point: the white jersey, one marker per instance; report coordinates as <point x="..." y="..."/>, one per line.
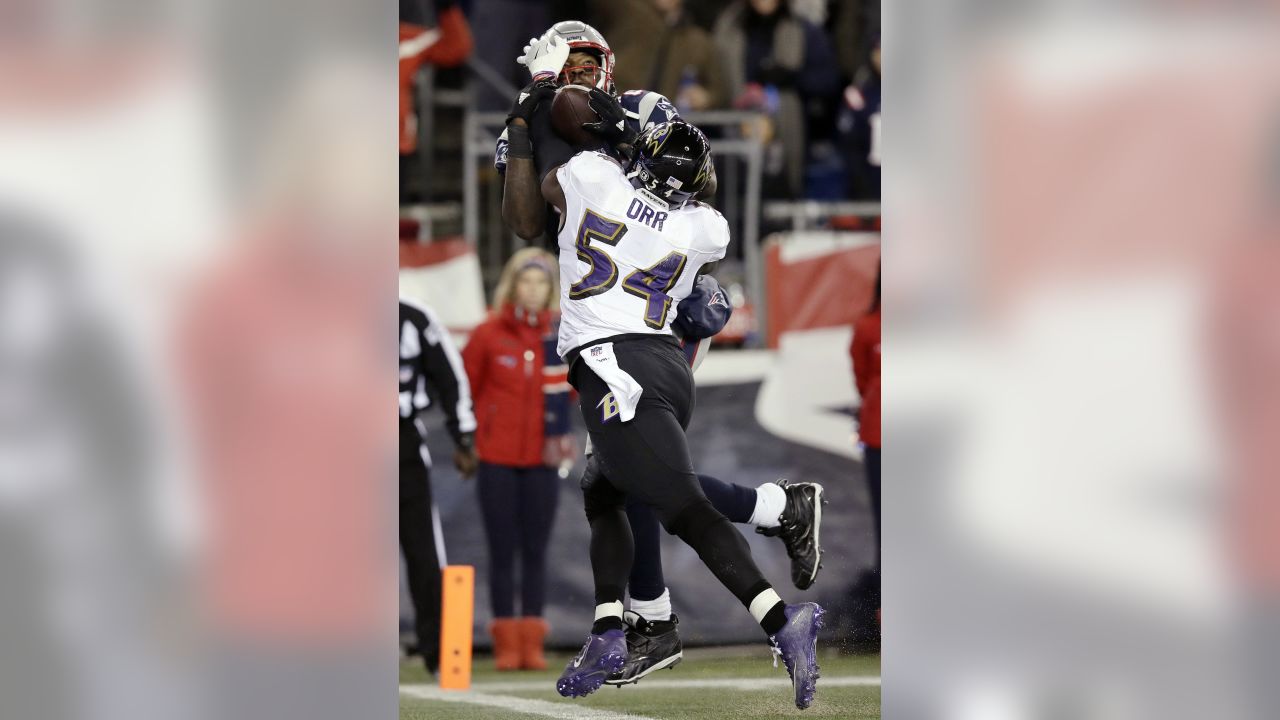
<point x="626" y="258"/>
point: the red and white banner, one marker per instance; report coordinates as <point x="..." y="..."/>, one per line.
<point x="444" y="274"/>
<point x="818" y="279"/>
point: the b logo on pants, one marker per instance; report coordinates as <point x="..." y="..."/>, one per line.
<point x="609" y="407"/>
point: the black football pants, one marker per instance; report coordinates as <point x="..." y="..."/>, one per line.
<point x="646" y="581"/>
<point x="647" y="458"/>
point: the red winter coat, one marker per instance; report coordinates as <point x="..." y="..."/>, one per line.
<point x="865" y="351"/>
<point x="504" y="361"/>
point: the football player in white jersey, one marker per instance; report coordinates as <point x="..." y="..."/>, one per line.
<point x="632" y="242"/>
<point x="572" y="52"/>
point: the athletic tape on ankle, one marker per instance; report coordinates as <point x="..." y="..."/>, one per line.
<point x="657" y="609"/>
<point x="610" y="609"/>
<point x="771" y="500"/>
<point x="761" y="604"/>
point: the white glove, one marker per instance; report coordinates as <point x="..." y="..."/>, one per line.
<point x="545" y="55"/>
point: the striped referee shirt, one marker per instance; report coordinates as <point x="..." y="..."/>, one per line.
<point x="431" y="372"/>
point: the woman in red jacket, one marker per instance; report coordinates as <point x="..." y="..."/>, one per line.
<point x="520" y="392"/>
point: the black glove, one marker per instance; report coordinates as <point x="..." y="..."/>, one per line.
<point x="528" y="99"/>
<point x="612" y="126"/>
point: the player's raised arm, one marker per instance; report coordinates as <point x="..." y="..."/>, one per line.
<point x="522" y="208"/>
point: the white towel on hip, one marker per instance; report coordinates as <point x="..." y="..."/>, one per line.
<point x="626" y="391"/>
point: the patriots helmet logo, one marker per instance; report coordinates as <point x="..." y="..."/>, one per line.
<point x="718" y="299"/>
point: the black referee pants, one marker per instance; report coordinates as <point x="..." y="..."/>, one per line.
<point x="418" y="543"/>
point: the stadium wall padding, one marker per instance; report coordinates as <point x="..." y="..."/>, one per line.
<point x="818" y="279"/>
<point x="729" y="442"/>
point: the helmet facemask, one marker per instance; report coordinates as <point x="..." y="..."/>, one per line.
<point x="583" y="38"/>
<point x="603" y="69"/>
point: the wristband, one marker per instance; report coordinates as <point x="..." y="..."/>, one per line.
<point x="518" y="145"/>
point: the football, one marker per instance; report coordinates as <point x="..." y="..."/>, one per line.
<point x="569" y="110"/>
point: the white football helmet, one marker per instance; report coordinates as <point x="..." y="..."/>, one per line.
<point x="584" y="38"/>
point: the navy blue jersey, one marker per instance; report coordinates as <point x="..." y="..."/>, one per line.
<point x="704" y="312"/>
<point x="701" y="315"/>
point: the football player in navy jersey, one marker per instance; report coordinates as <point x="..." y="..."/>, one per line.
<point x="569" y="53"/>
<point x="572" y="52"/>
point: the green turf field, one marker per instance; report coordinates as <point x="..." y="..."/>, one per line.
<point x="738" y="682"/>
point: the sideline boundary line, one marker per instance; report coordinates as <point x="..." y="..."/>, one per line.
<point x="690" y="684"/>
<point x="480" y="694"/>
<point x="561" y="711"/>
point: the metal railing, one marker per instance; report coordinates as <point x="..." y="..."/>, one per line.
<point x="802" y="213"/>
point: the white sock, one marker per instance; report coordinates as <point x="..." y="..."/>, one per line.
<point x="771" y="500"/>
<point x="761" y="604"/>
<point x="656" y="610"/>
<point x="610" y="609"/>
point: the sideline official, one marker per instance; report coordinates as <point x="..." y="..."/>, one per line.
<point x="431" y="373"/>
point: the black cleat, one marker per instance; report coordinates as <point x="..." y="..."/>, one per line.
<point x="651" y="646"/>
<point x="799" y="530"/>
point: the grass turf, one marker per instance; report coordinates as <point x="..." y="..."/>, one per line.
<point x="667" y="703"/>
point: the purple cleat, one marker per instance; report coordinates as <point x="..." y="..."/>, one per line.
<point x="797" y="643"/>
<point x="602" y="656"/>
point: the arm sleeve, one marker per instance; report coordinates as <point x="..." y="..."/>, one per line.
<point x="587" y="172"/>
<point x="717" y="233"/>
<point x="445" y="372"/>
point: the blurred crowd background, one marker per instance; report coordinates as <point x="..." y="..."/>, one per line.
<point x="808" y="70"/>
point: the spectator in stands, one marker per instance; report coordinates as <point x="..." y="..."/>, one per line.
<point x="865" y="352"/>
<point x="775" y="62"/>
<point x="859" y="129"/>
<point x="704" y="12"/>
<point x="506" y="26"/>
<point x="522" y="401"/>
<point x="448" y="44"/>
<point x="659" y="48"/>
<point x="856" y="23"/>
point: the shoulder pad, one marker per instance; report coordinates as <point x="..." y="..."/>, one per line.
<point x="647" y="108"/>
